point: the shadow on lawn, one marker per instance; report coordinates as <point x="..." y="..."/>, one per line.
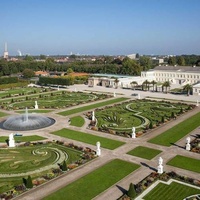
<point x="152" y="168"/>
<point x="121" y="189"/>
<point x="177" y="145"/>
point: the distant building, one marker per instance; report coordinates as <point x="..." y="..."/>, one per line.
<point x="132" y="56"/>
<point x="5" y="54"/>
<point x="180" y="75"/>
<point x="41" y="73"/>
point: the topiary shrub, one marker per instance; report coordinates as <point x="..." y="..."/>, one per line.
<point x="131" y="192"/>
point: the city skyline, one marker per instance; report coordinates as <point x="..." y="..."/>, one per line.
<point x="100" y="27"/>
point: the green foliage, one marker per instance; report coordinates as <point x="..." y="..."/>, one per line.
<point x="56" y="81"/>
<point x="77" y="121"/>
<point x="28" y="73"/>
<point x="151" y="125"/>
<point x="144" y="152"/>
<point x="29" y="183"/>
<point x="131" y="191"/>
<point x="187" y="163"/>
<point x="8" y="80"/>
<point x="64" y="166"/>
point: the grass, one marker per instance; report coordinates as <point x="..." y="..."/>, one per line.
<point x="89" y="186"/>
<point x="35" y="111"/>
<point x="77" y="121"/>
<point x="88" y="138"/>
<point x="23" y="138"/>
<point x="21" y="160"/>
<point x="2" y="114"/>
<point x="175" y="133"/>
<point x="144" y="152"/>
<point x="93" y="106"/>
<point x="173" y="191"/>
<point x="187" y="163"/>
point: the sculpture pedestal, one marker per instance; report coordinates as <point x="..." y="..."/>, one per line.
<point x="160" y="169"/>
<point x="188" y="147"/>
<point x="36" y="107"/>
<point x="11" y="143"/>
<point x="98" y="152"/>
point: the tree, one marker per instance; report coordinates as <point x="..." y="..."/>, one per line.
<point x="181" y="61"/>
<point x="28" y="58"/>
<point x="166" y="85"/>
<point x="69" y="70"/>
<point x="133" y="84"/>
<point x="131" y="191"/>
<point x="116" y="81"/>
<point x="188" y="89"/>
<point x="64" y="166"/>
<point x="172" y="60"/>
<point x="146" y="84"/>
<point x="29" y="183"/>
<point x="153" y="83"/>
<point x="28" y="73"/>
<point x="145" y="62"/>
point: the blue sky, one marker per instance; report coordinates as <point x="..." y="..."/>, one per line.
<point x="100" y="27"/>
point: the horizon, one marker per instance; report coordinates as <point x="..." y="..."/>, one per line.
<point x="166" y="27"/>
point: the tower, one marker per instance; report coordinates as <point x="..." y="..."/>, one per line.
<point x="5" y="54"/>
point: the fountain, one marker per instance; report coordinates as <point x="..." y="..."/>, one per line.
<point x="27" y="121"/>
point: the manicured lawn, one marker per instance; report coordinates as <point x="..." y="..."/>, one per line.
<point x="2" y="114"/>
<point x="88" y="138"/>
<point x="174" y="191"/>
<point x="35" y="111"/>
<point x="93" y="106"/>
<point x="96" y="182"/>
<point x="185" y="163"/>
<point x="175" y="133"/>
<point x="77" y="121"/>
<point x="23" y="138"/>
<point x="144" y="152"/>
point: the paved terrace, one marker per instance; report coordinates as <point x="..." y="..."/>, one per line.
<point x="147" y="166"/>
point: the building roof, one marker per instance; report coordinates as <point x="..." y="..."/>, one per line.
<point x="177" y="68"/>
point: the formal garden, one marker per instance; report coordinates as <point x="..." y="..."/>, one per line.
<point x="40" y="162"/>
<point x="46" y="98"/>
<point x="141" y="114"/>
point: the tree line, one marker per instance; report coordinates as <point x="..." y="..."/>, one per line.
<point x="106" y="64"/>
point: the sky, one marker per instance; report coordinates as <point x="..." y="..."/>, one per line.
<point x="100" y="27"/>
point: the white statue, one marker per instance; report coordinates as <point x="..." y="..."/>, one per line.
<point x="11" y="141"/>
<point x="133" y="133"/>
<point x="139" y="96"/>
<point x="36" y="105"/>
<point x="58" y="87"/>
<point x="197" y="103"/>
<point x="98" y="152"/>
<point x="93" y="116"/>
<point x="160" y="166"/>
<point x="160" y="161"/>
<point x="188" y="146"/>
<point x="114" y="95"/>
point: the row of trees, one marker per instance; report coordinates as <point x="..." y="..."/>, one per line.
<point x="146" y="85"/>
<point x="188" y="60"/>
